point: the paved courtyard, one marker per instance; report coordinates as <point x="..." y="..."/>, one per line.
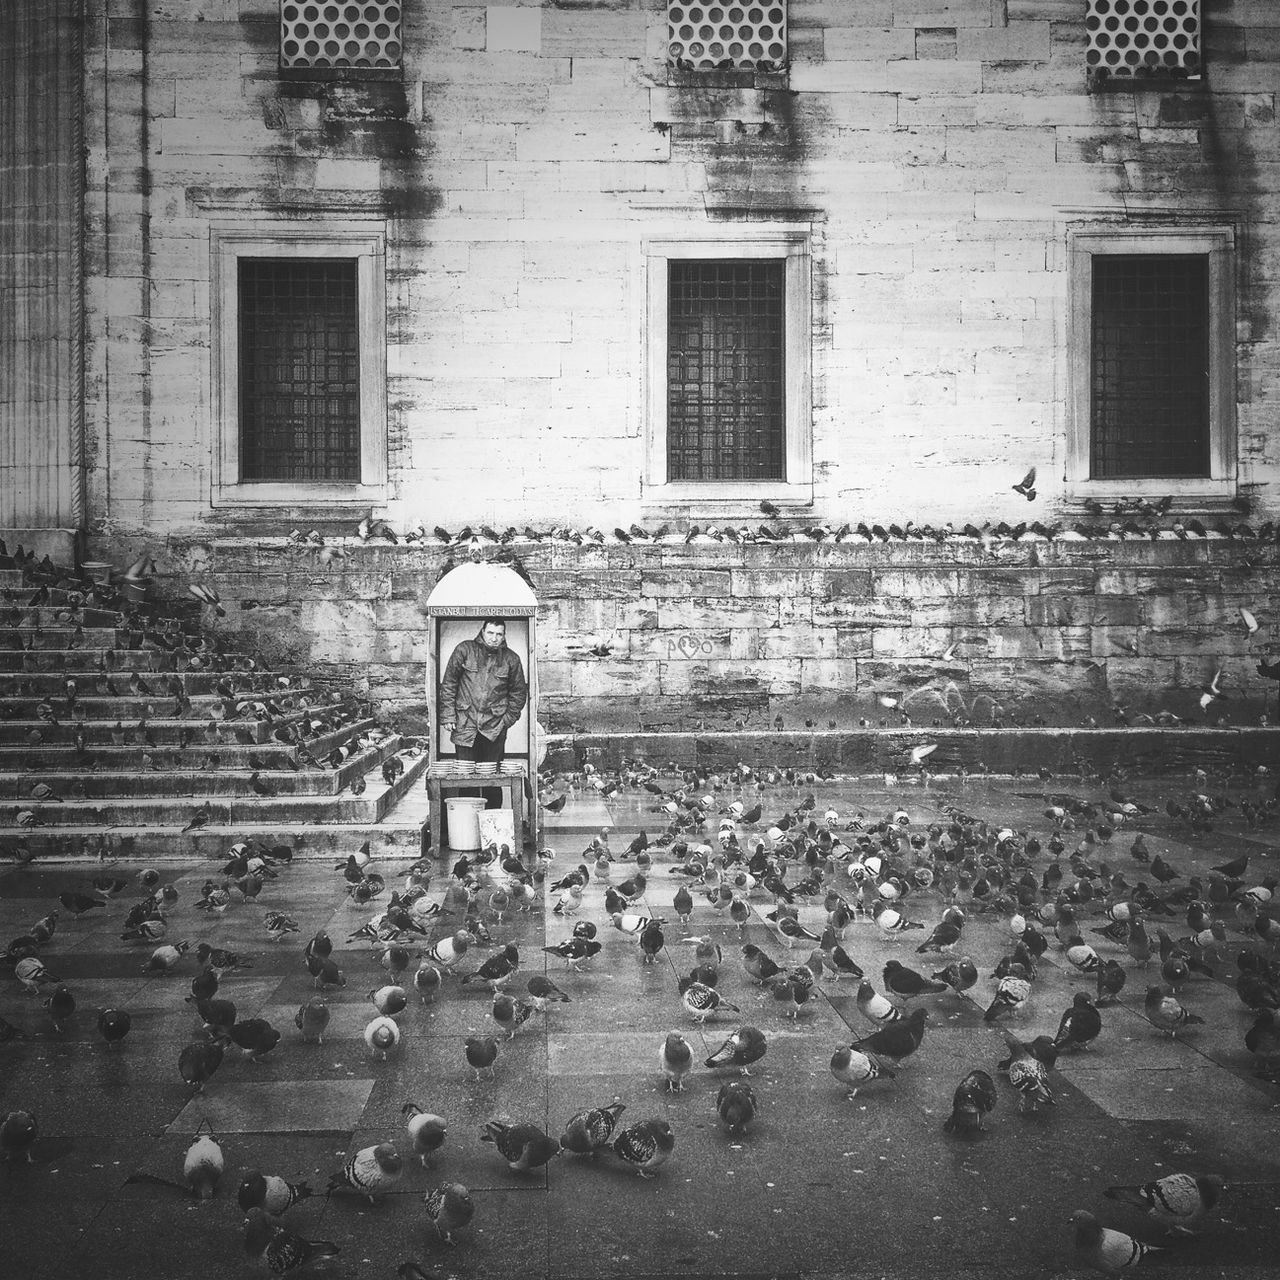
<point x="818" y="1186"/>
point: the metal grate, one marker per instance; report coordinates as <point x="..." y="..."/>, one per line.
<point x="358" y="33"/>
<point x="1143" y="37"/>
<point x="705" y="37"/>
<point x="725" y="365"/>
<point x="1150" y="361"/>
<point x="299" y="370"/>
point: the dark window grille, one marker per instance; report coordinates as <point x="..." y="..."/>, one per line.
<point x="725" y="367"/>
<point x="299" y="370"/>
<point x="1150" y="361"/>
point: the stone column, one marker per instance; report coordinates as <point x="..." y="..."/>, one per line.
<point x="41" y="275"/>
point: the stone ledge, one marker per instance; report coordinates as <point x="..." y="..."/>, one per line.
<point x="1151" y="752"/>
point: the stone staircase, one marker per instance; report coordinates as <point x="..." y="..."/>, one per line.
<point x="129" y="727"/>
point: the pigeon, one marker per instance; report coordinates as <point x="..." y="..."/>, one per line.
<point x="198" y="1061"/>
<point x="449" y="1208"/>
<point x="203" y="1165"/>
<point x="381" y="1034"/>
<point x="61" y="1005"/>
<point x="448" y="951"/>
<point x="369" y="1171"/>
<point x="574" y="950"/>
<point x="907" y="983"/>
<point x="426" y="1131"/>
<point x="481" y="1054"/>
<point x="741" y="1049"/>
<point x="588" y="1132"/>
<point x="1080" y="955"/>
<point x="1163" y="1010"/>
<point x="683" y="904"/>
<point x="256" y="1036"/>
<point x="701" y="1001"/>
<point x="945" y="935"/>
<point x="542" y="992"/>
<point x="898" y="1041"/>
<point x="497" y="969"/>
<point x="1011" y="994"/>
<point x="268" y="1192"/>
<point x="1110" y="980"/>
<point x="522" y="1146"/>
<point x="855" y="1068"/>
<point x="736" y="1105"/>
<point x="959" y="975"/>
<point x="874" y="1007"/>
<point x="389" y="1000"/>
<point x="311" y="1019"/>
<point x="114" y="1025"/>
<point x="645" y="1146"/>
<point x="1080" y="1025"/>
<point x="676" y="1060"/>
<point x="426" y="982"/>
<point x="278" y="1249"/>
<point x="18" y="1130"/>
<point x="793" y="931"/>
<point x="975" y="1095"/>
<point x="509" y="1013"/>
<point x="1103" y="1248"/>
<point x="759" y="967"/>
<point x="1029" y="1072"/>
<point x="1177" y="1201"/>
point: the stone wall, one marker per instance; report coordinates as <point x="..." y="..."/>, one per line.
<point x="936" y="155"/>
<point x="701" y="637"/>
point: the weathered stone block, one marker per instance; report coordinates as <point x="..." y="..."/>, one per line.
<point x="699" y="645"/>
<point x="854" y="642"/>
<point x="667" y="583"/>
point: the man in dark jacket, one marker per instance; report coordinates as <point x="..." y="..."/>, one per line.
<point x="482" y="695"/>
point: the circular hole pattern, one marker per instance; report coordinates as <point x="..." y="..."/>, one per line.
<point x="1127" y="36"/>
<point x="741" y="36"/>
<point x="351" y="33"/>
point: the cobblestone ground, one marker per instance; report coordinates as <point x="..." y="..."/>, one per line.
<point x="818" y="1185"/>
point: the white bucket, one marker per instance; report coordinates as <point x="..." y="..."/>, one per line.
<point x="462" y="814"/>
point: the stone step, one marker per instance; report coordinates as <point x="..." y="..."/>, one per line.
<point x="111" y="758"/>
<point x="168" y="731"/>
<point x="88" y="659"/>
<point x="15" y="615"/>
<point x="80" y="828"/>
<point x="59" y="636"/>
<point x="48" y="684"/>
<point x="128" y="781"/>
<point x="158" y="700"/>
<point x="93" y="845"/>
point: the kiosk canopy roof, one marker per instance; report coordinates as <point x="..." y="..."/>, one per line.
<point x="477" y="590"/>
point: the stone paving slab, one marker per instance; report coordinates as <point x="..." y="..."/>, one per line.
<point x="819" y="1186"/>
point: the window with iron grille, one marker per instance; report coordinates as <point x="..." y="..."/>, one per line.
<point x="1150" y="361"/>
<point x="361" y="35"/>
<point x="299" y="364"/>
<point x="725" y="370"/>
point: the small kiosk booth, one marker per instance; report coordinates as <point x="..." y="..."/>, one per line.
<point x="455" y="609"/>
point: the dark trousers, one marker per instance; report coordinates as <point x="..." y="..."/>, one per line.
<point x="483" y="750"/>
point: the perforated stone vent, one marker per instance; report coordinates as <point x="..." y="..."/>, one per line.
<point x="706" y="37"/>
<point x="358" y="33"/>
<point x="1144" y="37"/>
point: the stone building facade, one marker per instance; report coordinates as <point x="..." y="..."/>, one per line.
<point x="569" y="266"/>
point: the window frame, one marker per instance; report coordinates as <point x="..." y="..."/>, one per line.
<point x="796" y="486"/>
<point x="1215" y="242"/>
<point x="364" y="243"/>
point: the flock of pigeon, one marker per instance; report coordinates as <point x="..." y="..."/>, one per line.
<point x="843" y="871"/>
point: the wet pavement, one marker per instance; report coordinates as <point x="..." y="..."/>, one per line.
<point x="818" y="1186"/>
